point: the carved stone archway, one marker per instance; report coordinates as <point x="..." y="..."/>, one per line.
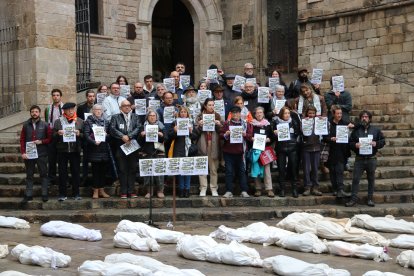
<point x="208" y="28"/>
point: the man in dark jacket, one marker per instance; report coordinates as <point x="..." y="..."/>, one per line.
<point x="124" y="128"/>
<point x="294" y="87"/>
<point x="229" y="94"/>
<point x="342" y="99"/>
<point x="87" y="106"/>
<point x="39" y="135"/>
<point x="365" y="141"/>
<point x="138" y="94"/>
<point x="149" y="88"/>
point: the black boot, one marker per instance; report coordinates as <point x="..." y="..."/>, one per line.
<point x="352" y="202"/>
<point x="341" y="194"/>
<point x="180" y="193"/>
<point x="282" y="189"/>
<point x="294" y="190"/>
<point x="187" y="193"/>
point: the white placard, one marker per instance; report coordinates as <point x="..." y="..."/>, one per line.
<point x="151" y="133"/>
<point x="203" y="95"/>
<point x="131" y="147"/>
<point x="169" y="114"/>
<point x="209" y="122"/>
<point x="236" y="134"/>
<point x="183" y="126"/>
<point x="173" y="166"/>
<point x="283" y="132"/>
<point x="212" y="74"/>
<point x="125" y="90"/>
<point x="321" y="125"/>
<point x="366" y="147"/>
<point x="159" y="166"/>
<point x="273" y="82"/>
<point x="201" y="165"/>
<point x="154" y="104"/>
<point x="140" y="106"/>
<point x="338" y="84"/>
<point x="86" y="115"/>
<point x="69" y="134"/>
<point x="307" y="126"/>
<point x="31" y="150"/>
<point x="99" y="133"/>
<point x="169" y="84"/>
<point x="342" y="134"/>
<point x="145" y="167"/>
<point x="317" y="76"/>
<point x="219" y="108"/>
<point x="185" y="81"/>
<point x="100" y="97"/>
<point x="279" y="104"/>
<point x="194" y="111"/>
<point x="239" y="81"/>
<point x="187" y="166"/>
<point x="259" y="141"/>
<point x="263" y="94"/>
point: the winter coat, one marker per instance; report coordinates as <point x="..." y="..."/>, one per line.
<point x="68" y="146"/>
<point x="96" y="153"/>
<point x="295" y="134"/>
<point x="344" y="101"/>
<point x="201" y="137"/>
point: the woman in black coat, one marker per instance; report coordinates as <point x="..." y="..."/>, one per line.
<point x="98" y="151"/>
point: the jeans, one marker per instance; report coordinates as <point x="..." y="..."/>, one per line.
<point x="235" y="163"/>
<point x="310" y="168"/>
<point x="72" y="158"/>
<point x="361" y="164"/>
<point x="291" y="168"/>
<point x="184" y="182"/>
<point x="336" y="175"/>
<point x="127" y="170"/>
<point x="30" y="164"/>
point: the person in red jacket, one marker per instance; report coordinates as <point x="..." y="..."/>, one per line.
<point x="34" y="139"/>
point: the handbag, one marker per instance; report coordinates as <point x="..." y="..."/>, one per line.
<point x="267" y="156"/>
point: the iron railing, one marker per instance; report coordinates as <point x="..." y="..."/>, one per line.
<point x="83" y="46"/>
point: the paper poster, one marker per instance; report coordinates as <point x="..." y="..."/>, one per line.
<point x="338" y="84"/>
<point x="279" y="104"/>
<point x="283" y="132"/>
<point x="273" y="82"/>
<point x="151" y="133"/>
<point x="239" y="81"/>
<point x="194" y="111"/>
<point x="200" y="165"/>
<point x="307" y="126"/>
<point x="252" y="80"/>
<point x="131" y="147"/>
<point x="69" y="134"/>
<point x="125" y="90"/>
<point x="86" y="115"/>
<point x="159" y="166"/>
<point x="145" y="167"/>
<point x="187" y="166"/>
<point x="342" y="134"/>
<point x="212" y="75"/>
<point x="154" y="104"/>
<point x="169" y="84"/>
<point x="321" y="125"/>
<point x="209" y="122"/>
<point x="31" y="150"/>
<point x="183" y="126"/>
<point x="99" y="133"/>
<point x="100" y="97"/>
<point x="259" y="141"/>
<point x="185" y="81"/>
<point x="203" y="95"/>
<point x="140" y="106"/>
<point x="366" y="147"/>
<point x="169" y="114"/>
<point x="219" y="108"/>
<point x="317" y="76"/>
<point x="173" y="166"/>
<point x="236" y="134"/>
<point x="263" y="94"/>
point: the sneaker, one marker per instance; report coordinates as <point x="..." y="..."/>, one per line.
<point x="27" y="199"/>
<point x="62" y="198"/>
<point x="214" y="193"/>
<point x="316" y="192"/>
<point x="78" y="197"/>
<point x="244" y="194"/>
<point x="228" y="195"/>
<point x="307" y="191"/>
<point x="134" y="196"/>
<point x="203" y="193"/>
<point x="124" y="196"/>
<point x="351" y="203"/>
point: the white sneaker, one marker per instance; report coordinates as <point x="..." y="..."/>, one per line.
<point x="203" y="193"/>
<point x="214" y="193"/>
<point x="244" y="194"/>
<point x="228" y="195"/>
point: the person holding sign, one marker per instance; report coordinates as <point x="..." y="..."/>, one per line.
<point x="340" y="98"/>
<point x="152" y="150"/>
<point x="365" y="141"/>
<point x="287" y="148"/>
<point x="221" y="105"/>
<point x="37" y="134"/>
<point x="68" y="133"/>
<point x="191" y="102"/>
<point x="180" y="133"/>
<point x="124" y="129"/>
<point x="249" y="95"/>
<point x="295" y="86"/>
<point x="339" y="150"/>
<point x="261" y="126"/>
<point x="166" y="115"/>
<point x="139" y="95"/>
<point x="208" y="145"/>
<point x="112" y="102"/>
<point x="233" y="153"/>
<point x="277" y="102"/>
<point x="179" y="91"/>
<point x="96" y="130"/>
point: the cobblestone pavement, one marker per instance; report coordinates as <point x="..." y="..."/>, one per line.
<point x="82" y="250"/>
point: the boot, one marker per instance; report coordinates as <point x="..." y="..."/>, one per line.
<point x="258" y="193"/>
<point x="270" y="193"/>
<point x="316" y="192"/>
<point x="181" y="193"/>
<point x="307" y="191"/>
<point x="341" y="194"/>
<point x="187" y="193"/>
<point x="282" y="190"/>
<point x="103" y="194"/>
<point x="294" y="190"/>
<point x="95" y="194"/>
<point x="352" y="202"/>
<point x="370" y="202"/>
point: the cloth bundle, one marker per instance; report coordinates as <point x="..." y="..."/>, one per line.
<point x="70" y="230"/>
<point x="403" y="241"/>
<point x="364" y="251"/>
<point x="383" y="224"/>
<point x="306" y="242"/>
<point x="42" y="256"/>
<point x="13" y="273"/>
<point x="379" y="273"/>
<point x="406" y="259"/>
<point x="135" y="242"/>
<point x="12" y="222"/>
<point x="145" y="231"/>
<point x="4" y="250"/>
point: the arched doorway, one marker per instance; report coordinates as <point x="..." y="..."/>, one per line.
<point x="172" y="38"/>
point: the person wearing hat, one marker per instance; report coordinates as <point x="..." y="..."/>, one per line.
<point x="191" y="102"/>
<point x="218" y="95"/>
<point x="68" y="152"/>
<point x="294" y="88"/>
<point x="229" y="94"/>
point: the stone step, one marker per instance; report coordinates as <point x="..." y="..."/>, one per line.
<point x="408" y="133"/>
<point x="396" y="151"/>
<point x="10" y="148"/>
<point x="399" y="142"/>
<point x="11" y="168"/>
<point x="209" y="214"/>
<point x="11" y="157"/>
<point x="394" y="126"/>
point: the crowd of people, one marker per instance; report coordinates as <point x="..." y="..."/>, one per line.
<point x="239" y="117"/>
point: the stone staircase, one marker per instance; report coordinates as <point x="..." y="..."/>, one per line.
<point x="394" y="191"/>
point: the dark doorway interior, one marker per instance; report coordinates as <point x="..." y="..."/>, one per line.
<point x="172" y="38"/>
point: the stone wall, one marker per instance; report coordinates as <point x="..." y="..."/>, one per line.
<point x="375" y="35"/>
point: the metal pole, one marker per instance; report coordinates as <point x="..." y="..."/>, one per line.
<point x="174" y="203"/>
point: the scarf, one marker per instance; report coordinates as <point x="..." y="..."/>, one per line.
<point x="304" y="103"/>
<point x="70" y="119"/>
<point x="98" y="121"/>
<point x="261" y="123"/>
<point x="281" y="121"/>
